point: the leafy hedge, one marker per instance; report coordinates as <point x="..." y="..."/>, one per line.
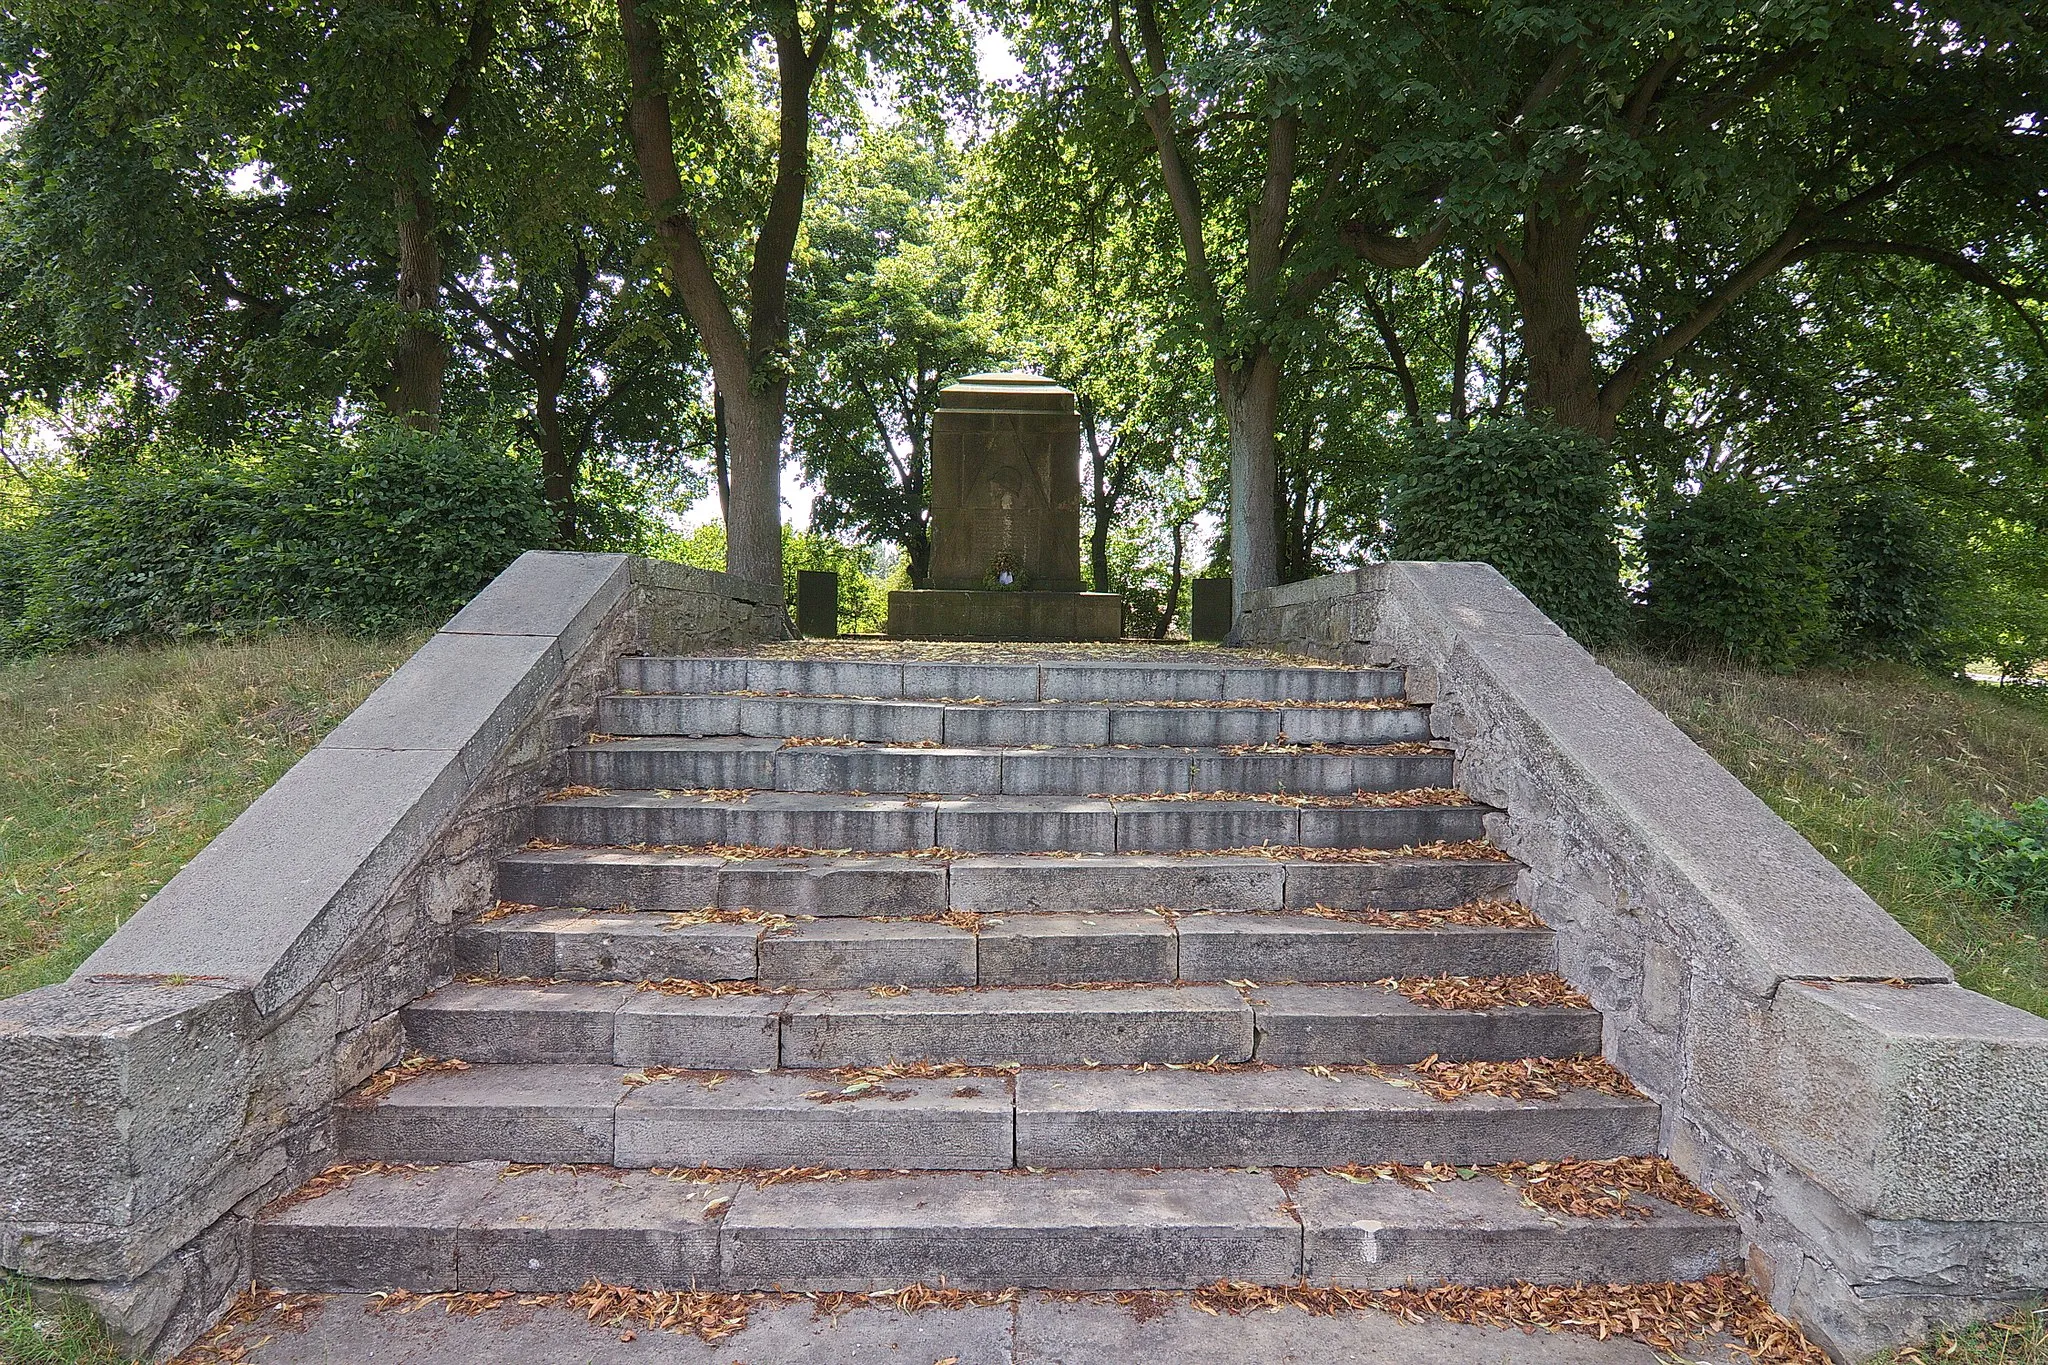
<point x="370" y="528"/>
<point x="1534" y="500"/>
<point x="1735" y="571"/>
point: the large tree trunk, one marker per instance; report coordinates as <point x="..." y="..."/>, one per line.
<point x="1563" y="382"/>
<point x="1251" y="406"/>
<point x="419" y="358"/>
<point x="1103" y="502"/>
<point x="557" y="462"/>
<point x="1175" y="577"/>
<point x="753" y="518"/>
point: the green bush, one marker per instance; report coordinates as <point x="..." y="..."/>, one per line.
<point x="2004" y="859"/>
<point x="1736" y="572"/>
<point x="864" y="583"/>
<point x="366" y="529"/>
<point x="1533" y="500"/>
<point x="1895" y="573"/>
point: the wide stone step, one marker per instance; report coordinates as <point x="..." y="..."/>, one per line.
<point x="1009" y="724"/>
<point x="604" y="1023"/>
<point x="1018" y="824"/>
<point x="1068" y="1118"/>
<point x="772" y="765"/>
<point x="477" y="1227"/>
<point x="1072" y="680"/>
<point x="833" y="885"/>
<point x="1041" y="948"/>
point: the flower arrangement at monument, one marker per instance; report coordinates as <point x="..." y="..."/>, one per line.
<point x="1005" y="574"/>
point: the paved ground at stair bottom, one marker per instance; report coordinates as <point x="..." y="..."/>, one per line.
<point x="1036" y="1331"/>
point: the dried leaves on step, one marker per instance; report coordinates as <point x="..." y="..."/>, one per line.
<point x="1536" y="989"/>
<point x="1601" y="1189"/>
<point x="411" y="1069"/>
<point x="1528" y="1078"/>
<point x="1483" y="913"/>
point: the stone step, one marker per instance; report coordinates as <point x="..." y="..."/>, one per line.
<point x="771" y="765"/>
<point x="591" y="1023"/>
<point x="1016" y="824"/>
<point x="1039" y="948"/>
<point x="1072" y="1118"/>
<point x="1006" y="725"/>
<point x="823" y="885"/>
<point x="1063" y="680"/>
<point x="477" y="1227"/>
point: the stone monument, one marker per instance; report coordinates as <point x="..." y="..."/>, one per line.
<point x="1006" y="520"/>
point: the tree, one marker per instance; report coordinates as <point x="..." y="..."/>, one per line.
<point x="741" y="306"/>
<point x="885" y="318"/>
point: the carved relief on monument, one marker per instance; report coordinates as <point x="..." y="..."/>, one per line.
<point x="1006" y="485"/>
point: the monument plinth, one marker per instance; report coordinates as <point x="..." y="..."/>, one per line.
<point x="1006" y="520"/>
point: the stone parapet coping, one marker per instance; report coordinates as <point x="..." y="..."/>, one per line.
<point x="1881" y="1131"/>
<point x="183" y="1076"/>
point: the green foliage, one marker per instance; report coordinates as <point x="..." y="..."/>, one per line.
<point x="64" y="1334"/>
<point x="1535" y="501"/>
<point x="1739" y="573"/>
<point x="367" y="529"/>
<point x="2002" y="858"/>
<point x="1895" y="573"/>
<point x="865" y="578"/>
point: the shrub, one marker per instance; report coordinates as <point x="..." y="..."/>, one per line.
<point x="366" y="529"/>
<point x="1535" y="501"/>
<point x="2004" y="859"/>
<point x="1895" y="573"/>
<point x="1736" y="572"/>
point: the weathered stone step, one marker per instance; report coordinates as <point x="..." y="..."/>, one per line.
<point x="1285" y="1117"/>
<point x="831" y="885"/>
<point x="1011" y="724"/>
<point x="527" y="1024"/>
<point x="1038" y="948"/>
<point x="770" y="765"/>
<point x="1105" y="1118"/>
<point x="476" y="1227"/>
<point x="1013" y="824"/>
<point x="1070" y="680"/>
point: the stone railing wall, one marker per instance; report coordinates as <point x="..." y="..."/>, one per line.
<point x="182" y="1078"/>
<point x="1881" y="1132"/>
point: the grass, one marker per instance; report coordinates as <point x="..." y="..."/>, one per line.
<point x="1868" y="766"/>
<point x="2019" y="1338"/>
<point x="117" y="765"/>
<point x="65" y="1335"/>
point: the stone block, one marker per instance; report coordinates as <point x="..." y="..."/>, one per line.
<point x="1310" y="684"/>
<point x="1034" y="1027"/>
<point x="1126" y="1119"/>
<point x="643" y="673"/>
<point x="500" y="1113"/>
<point x="1341" y="1025"/>
<point x="549" y="593"/>
<point x="666" y="715"/>
<point x="1161" y="826"/>
<point x="459" y="694"/>
<point x="1385" y="1235"/>
<point x="1052" y="949"/>
<point x="609" y="879"/>
<point x="542" y="1231"/>
<point x="1002" y="726"/>
<point x="826" y="677"/>
<point x="877" y="722"/>
<point x="773" y="819"/>
<point x="834" y="886"/>
<point x="787" y="1119"/>
<point x="979" y="615"/>
<point x="1070" y="1230"/>
<point x="381" y="1230"/>
<point x="1119" y="882"/>
<point x="1091" y="772"/>
<point x="1396" y="883"/>
<point x="1321" y="774"/>
<point x="958" y="682"/>
<point x="1237" y="947"/>
<point x="1129" y="682"/>
<point x="1191" y="727"/>
<point x="819" y="768"/>
<point x="515" y="1023"/>
<point x="1026" y="824"/>
<point x="1349" y="725"/>
<point x="645" y="764"/>
<point x="653" y="1028"/>
<point x="859" y="952"/>
<point x="1858" y="1082"/>
<point x="642" y="946"/>
<point x="1390" y="826"/>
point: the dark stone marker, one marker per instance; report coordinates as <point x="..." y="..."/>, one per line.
<point x="1212" y="609"/>
<point x="817" y="604"/>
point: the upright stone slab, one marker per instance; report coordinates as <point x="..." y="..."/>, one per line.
<point x="1006" y="520"/>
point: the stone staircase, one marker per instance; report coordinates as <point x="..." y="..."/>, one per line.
<point x="835" y="974"/>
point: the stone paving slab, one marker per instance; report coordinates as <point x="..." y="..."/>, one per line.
<point x="1263" y="948"/>
<point x="1337" y="1025"/>
<point x="504" y="1113"/>
<point x="1039" y="1330"/>
<point x="1114" y="1118"/>
<point x="638" y="946"/>
<point x="1031" y="1026"/>
<point x="1040" y="949"/>
<point x="516" y="1023"/>
<point x="833" y="953"/>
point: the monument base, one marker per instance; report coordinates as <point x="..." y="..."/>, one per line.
<point x="938" y="614"/>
